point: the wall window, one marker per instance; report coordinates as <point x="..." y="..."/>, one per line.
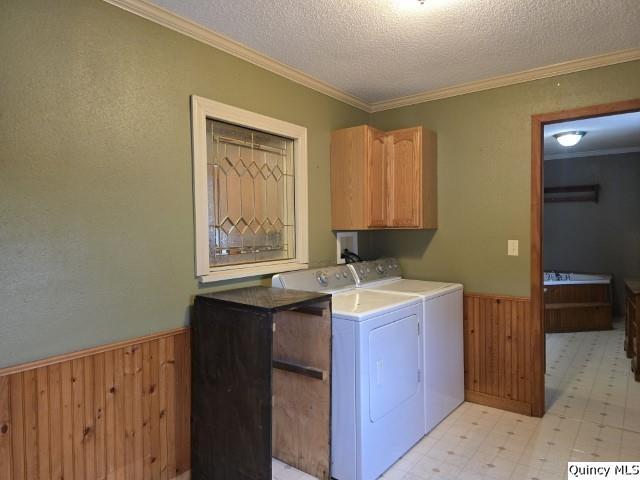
<point x="250" y="185"/>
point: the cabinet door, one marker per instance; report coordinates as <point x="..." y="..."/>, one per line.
<point x="405" y="177"/>
<point x="349" y="210"/>
<point x="377" y="196"/>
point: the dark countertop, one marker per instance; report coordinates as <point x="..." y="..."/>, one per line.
<point x="264" y="299"/>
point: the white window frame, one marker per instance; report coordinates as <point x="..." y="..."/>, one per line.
<point x="203" y="108"/>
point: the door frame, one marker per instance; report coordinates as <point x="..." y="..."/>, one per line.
<point x="538" y="122"/>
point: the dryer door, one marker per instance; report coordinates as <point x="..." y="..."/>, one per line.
<point x="394" y="365"/>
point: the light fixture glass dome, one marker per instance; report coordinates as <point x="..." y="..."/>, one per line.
<point x="569" y="139"/>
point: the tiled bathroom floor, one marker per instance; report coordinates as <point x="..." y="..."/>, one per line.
<point x="593" y="414"/>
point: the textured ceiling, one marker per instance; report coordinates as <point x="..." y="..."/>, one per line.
<point x="608" y="134"/>
<point x="383" y="49"/>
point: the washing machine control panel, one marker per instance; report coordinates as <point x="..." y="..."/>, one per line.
<point x="375" y="270"/>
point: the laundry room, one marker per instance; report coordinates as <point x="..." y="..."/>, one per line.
<point x="313" y="240"/>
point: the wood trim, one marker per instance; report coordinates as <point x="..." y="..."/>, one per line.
<point x="66" y="357"/>
<point x="537" y="174"/>
<point x="498" y="402"/>
<point x="122" y="412"/>
<point x="537" y="300"/>
<point x="186" y="27"/>
<point x="497" y="296"/>
<point x="547" y="71"/>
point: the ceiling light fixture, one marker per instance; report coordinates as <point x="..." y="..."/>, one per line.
<point x="569" y="139"/>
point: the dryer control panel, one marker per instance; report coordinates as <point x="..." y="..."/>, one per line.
<point x="327" y="279"/>
<point x="375" y="270"/>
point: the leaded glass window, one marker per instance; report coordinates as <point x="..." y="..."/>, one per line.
<point x="251" y="192"/>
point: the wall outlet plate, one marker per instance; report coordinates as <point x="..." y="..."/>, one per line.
<point x="346" y="240"/>
<point x="512" y="248"/>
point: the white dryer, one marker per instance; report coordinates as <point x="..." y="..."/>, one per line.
<point x="377" y="389"/>
<point x="443" y="332"/>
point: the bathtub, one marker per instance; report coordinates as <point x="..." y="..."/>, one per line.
<point x="576" y="302"/>
<point x="565" y="278"/>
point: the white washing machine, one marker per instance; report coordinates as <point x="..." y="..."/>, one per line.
<point x="377" y="387"/>
<point x="443" y="332"/>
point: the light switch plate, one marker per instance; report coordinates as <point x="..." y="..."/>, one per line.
<point x="512" y="248"/>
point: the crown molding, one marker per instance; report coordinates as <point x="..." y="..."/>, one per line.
<point x="594" y="153"/>
<point x="539" y="73"/>
<point x="182" y="25"/>
<point x="166" y="18"/>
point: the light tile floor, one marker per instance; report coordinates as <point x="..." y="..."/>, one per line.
<point x="282" y="471"/>
<point x="593" y="414"/>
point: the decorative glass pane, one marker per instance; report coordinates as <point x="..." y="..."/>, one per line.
<point x="251" y="195"/>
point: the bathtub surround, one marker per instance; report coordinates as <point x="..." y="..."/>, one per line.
<point x="596" y="237"/>
<point x="577" y="305"/>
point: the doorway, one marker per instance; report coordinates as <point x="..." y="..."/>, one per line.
<point x="539" y="122"/>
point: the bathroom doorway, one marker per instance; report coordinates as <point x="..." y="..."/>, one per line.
<point x="563" y="191"/>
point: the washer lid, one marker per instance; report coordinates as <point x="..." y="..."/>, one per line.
<point x="361" y="304"/>
<point x="423" y="288"/>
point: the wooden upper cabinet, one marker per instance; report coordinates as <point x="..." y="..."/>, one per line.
<point x="383" y="179"/>
<point x="405" y="165"/>
<point x="348" y="178"/>
<point x="376" y="188"/>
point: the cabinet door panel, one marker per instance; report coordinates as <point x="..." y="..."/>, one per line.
<point x="405" y="174"/>
<point x="377" y="179"/>
<point x="349" y="210"/>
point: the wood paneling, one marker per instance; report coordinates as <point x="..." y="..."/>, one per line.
<point x="79" y="416"/>
<point x="498" y="352"/>
<point x="577" y="293"/>
<point x="577" y="308"/>
<point x="577" y="317"/>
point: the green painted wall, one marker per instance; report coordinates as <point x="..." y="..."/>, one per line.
<point x="484" y="158"/>
<point x="96" y="230"/>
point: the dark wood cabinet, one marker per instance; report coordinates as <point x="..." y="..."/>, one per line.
<point x="632" y="325"/>
<point x="261" y="363"/>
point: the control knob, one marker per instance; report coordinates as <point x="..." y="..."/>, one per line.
<point x="322" y="278"/>
<point x="380" y="269"/>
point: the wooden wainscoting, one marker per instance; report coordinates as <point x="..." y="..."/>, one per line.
<point x="498" y="352"/>
<point x="119" y="412"/>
